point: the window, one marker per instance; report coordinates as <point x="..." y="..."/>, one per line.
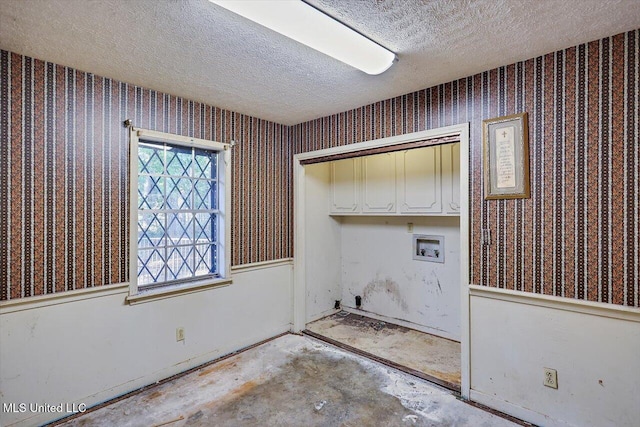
<point x="179" y="212"/>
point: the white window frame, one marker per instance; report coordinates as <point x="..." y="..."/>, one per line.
<point x="137" y="295"/>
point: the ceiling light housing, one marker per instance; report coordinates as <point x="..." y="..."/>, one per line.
<point x="309" y="26"/>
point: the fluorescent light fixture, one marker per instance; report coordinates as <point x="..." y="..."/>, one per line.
<point x="307" y="25"/>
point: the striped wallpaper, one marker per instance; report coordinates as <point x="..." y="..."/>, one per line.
<point x="63" y="196"/>
<point x="577" y="236"/>
<point x="64" y="186"/>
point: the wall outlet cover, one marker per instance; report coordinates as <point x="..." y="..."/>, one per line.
<point x="550" y="378"/>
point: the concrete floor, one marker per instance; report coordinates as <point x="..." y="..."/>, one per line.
<point x="292" y="381"/>
<point x="435" y="356"/>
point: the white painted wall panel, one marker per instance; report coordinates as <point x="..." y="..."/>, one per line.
<point x="91" y="350"/>
<point x="322" y="245"/>
<point x="597" y="359"/>
<point x="377" y="264"/>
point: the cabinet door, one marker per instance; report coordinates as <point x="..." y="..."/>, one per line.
<point x="451" y="178"/>
<point x="345" y="186"/>
<point x="420" y="188"/>
<point x="379" y="183"/>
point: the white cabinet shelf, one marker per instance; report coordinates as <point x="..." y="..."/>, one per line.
<point x="423" y="181"/>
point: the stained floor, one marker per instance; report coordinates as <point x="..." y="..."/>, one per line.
<point x="434" y="356"/>
<point x="292" y="381"/>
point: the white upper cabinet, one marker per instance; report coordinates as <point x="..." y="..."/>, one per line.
<point x="379" y="183"/>
<point x="420" y="182"/>
<point x="344" y="193"/>
<point x="451" y="178"/>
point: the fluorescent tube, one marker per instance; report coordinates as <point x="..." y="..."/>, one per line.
<point x="307" y="25"/>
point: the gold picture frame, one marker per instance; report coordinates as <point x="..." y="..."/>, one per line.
<point x="505" y="143"/>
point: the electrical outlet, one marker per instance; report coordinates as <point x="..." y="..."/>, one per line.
<point x="550" y="378"/>
<point x="180" y="334"/>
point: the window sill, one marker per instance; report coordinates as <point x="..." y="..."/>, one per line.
<point x="177" y="290"/>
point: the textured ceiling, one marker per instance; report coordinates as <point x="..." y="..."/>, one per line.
<point x="198" y="50"/>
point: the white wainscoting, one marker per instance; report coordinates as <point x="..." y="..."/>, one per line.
<point x="594" y="347"/>
<point x="89" y="346"/>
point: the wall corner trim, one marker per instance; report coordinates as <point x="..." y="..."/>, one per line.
<point x="30" y="303"/>
<point x="601" y="309"/>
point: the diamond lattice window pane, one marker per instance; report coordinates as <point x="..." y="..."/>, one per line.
<point x="175" y="241"/>
<point x="151" y="266"/>
<point x="150" y="159"/>
<point x="180" y="262"/>
<point x="180" y="228"/>
<point x="205" y="259"/>
<point x="150" y="192"/>
<point x="179" y="161"/>
<point x="179" y="192"/>
<point x="205" y="228"/>
<point x="205" y="195"/>
<point x="150" y="229"/>
<point x="205" y="164"/>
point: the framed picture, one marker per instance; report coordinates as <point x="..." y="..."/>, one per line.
<point x="506" y="157"/>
